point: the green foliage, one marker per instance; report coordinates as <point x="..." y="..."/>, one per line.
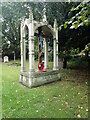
<point x="72" y="9"/>
<point x="80" y="15"/>
<point x="76" y="25"/>
<point x="75" y="36"/>
<point x="87" y="49"/>
<point x="14" y="12"/>
<point x="65" y="25"/>
<point x="83" y="18"/>
<point x="77" y="8"/>
<point x="81" y="5"/>
<point x="60" y="11"/>
<point x="50" y="56"/>
<point x="78" y="62"/>
<point x="74" y="51"/>
<point x="72" y="19"/>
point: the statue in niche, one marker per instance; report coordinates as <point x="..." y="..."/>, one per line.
<point x="40" y="64"/>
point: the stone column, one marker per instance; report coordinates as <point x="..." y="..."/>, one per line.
<point x="31" y="47"/>
<point x="54" y="53"/>
<point x="56" y="49"/>
<point x="23" y="58"/>
<point x="55" y="36"/>
<point x="24" y="53"/>
<point x="54" y="46"/>
<point x="46" y="54"/>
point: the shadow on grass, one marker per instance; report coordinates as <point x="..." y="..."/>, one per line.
<point x="77" y="71"/>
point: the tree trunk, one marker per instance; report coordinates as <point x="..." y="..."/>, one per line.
<point x="86" y="54"/>
<point x="65" y="63"/>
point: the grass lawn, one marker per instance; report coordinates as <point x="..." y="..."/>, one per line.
<point x="67" y="98"/>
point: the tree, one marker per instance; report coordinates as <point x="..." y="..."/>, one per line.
<point x="12" y="15"/>
<point x="74" y="32"/>
<point x="75" y="28"/>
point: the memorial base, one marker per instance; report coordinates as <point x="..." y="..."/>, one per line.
<point x="39" y="78"/>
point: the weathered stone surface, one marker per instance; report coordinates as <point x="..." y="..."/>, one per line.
<point x="33" y="78"/>
<point x="39" y="78"/>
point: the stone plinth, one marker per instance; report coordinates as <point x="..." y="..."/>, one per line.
<point x="39" y="78"/>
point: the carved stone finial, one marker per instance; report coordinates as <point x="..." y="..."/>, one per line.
<point x="30" y="14"/>
<point x="55" y="23"/>
<point x="22" y="22"/>
<point x="44" y="18"/>
<point x="22" y="19"/>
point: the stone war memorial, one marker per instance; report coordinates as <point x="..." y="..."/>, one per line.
<point x="44" y="75"/>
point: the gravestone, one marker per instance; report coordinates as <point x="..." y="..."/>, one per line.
<point x="0" y="57"/>
<point x="5" y="59"/>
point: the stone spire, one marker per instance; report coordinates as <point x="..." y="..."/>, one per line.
<point x="22" y="22"/>
<point x="30" y="14"/>
<point x="44" y="18"/>
<point x="55" y="24"/>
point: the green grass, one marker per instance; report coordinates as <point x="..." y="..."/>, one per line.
<point x="67" y="98"/>
<point x="0" y="91"/>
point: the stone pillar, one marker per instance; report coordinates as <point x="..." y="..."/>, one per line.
<point x="31" y="47"/>
<point x="46" y="54"/>
<point x="54" y="53"/>
<point x="23" y="49"/>
<point x="56" y="49"/>
<point x="54" y="46"/>
<point x="55" y="37"/>
<point x="24" y="53"/>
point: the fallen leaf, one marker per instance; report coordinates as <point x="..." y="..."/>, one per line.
<point x="78" y="116"/>
<point x="66" y="103"/>
<point x="78" y="106"/>
<point x="55" y="97"/>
